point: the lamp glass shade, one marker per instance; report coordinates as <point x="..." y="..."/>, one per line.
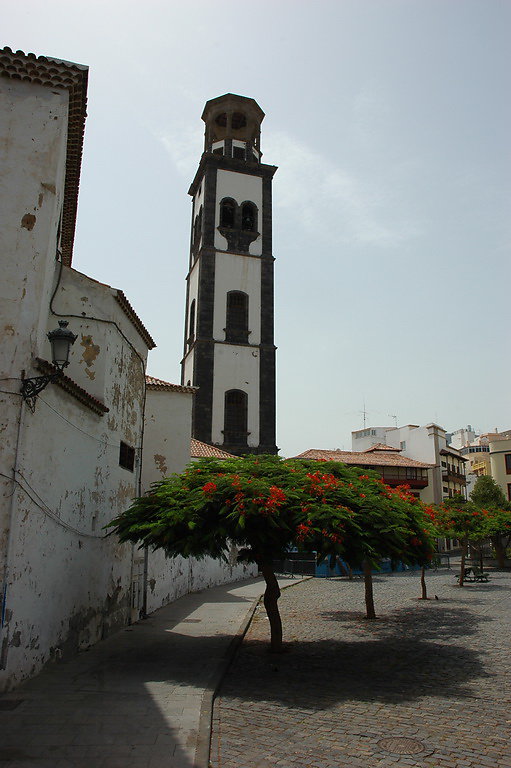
<point x="61" y="340"/>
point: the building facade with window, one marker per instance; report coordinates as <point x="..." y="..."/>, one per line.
<point x="500" y="460"/>
<point x="229" y="351"/>
<point x="427" y="444"/>
<point x="394" y="468"/>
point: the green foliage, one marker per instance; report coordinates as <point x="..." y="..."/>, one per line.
<point x="486" y="493"/>
<point x="265" y="505"/>
<point x="458" y="518"/>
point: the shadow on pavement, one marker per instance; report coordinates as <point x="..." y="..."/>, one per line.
<point x="401" y="657"/>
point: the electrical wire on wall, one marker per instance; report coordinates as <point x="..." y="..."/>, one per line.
<point x="142" y="430"/>
<point x="40" y="504"/>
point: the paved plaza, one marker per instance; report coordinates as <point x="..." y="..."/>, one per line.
<point x="140" y="699"/>
<point x="427" y="684"/>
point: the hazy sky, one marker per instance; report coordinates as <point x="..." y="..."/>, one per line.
<point x="390" y="121"/>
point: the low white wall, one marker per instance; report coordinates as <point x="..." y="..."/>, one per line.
<point x="166" y="450"/>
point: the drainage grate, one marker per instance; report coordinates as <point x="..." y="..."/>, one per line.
<point x="191" y="621"/>
<point x="402" y="745"/>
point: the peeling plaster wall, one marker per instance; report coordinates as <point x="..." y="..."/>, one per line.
<point x="69" y="586"/>
<point x="167" y="450"/>
<point x="33" y="139"/>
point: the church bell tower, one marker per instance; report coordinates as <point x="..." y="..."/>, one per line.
<point x="229" y="351"/>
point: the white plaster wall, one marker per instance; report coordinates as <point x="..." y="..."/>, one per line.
<point x="237" y="273"/>
<point x="188" y="369"/>
<point x="423" y="444"/>
<point x="419" y="441"/>
<point x="167" y="450"/>
<point x="68" y="585"/>
<point x="167" y="433"/>
<point x="236" y="368"/>
<point x="242" y="188"/>
<point x="96" y="317"/>
<point x="33" y="124"/>
<point x="498" y="451"/>
<point x="365" y="442"/>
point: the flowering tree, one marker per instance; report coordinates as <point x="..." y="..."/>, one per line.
<point x="266" y="505"/>
<point x="460" y="519"/>
<point x="490" y="499"/>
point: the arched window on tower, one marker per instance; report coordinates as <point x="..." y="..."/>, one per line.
<point x="238" y="121"/>
<point x="249" y="217"/>
<point x="227" y="213"/>
<point x="191" y="323"/>
<point x="236" y="327"/>
<point x="235" y="417"/>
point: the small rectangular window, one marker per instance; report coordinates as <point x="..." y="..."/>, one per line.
<point x="508" y="463"/>
<point x="238" y="153"/>
<point x="509" y="491"/>
<point x="127" y="456"/>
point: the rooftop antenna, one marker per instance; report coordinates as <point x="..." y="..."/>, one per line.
<point x="392" y="416"/>
<point x="364" y="412"/>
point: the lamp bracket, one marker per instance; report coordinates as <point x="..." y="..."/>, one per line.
<point x="30" y="388"/>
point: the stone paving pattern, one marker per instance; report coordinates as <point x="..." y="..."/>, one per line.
<point x="133" y="700"/>
<point x="437" y="672"/>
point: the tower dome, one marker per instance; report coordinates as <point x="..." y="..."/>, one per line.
<point x="233" y="127"/>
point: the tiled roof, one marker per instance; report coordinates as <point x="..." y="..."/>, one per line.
<point x="452" y="452"/>
<point x="74" y="389"/>
<point x="380" y="458"/>
<point x="53" y="73"/>
<point x="205" y="451"/>
<point x="136" y="321"/>
<point x="159" y="384"/>
<point x="381" y="447"/>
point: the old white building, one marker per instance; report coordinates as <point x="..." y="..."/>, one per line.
<point x="74" y="462"/>
<point x="71" y="456"/>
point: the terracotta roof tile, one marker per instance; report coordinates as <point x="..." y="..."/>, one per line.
<point x="136" y="321"/>
<point x="380" y="458"/>
<point x="159" y="384"/>
<point x="381" y="447"/>
<point x="74" y="389"/>
<point x="201" y="450"/>
<point x="53" y="73"/>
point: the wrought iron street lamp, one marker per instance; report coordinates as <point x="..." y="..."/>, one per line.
<point x="61" y="340"/>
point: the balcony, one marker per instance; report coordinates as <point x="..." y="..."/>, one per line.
<point x="398" y="476"/>
<point x="453" y="476"/>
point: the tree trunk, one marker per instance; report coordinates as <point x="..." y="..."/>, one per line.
<point x="424" y="591"/>
<point x="368" y="582"/>
<point x="500" y="551"/>
<point x="464" y="549"/>
<point x="271" y="595"/>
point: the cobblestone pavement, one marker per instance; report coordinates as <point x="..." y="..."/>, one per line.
<point x="427" y="684"/>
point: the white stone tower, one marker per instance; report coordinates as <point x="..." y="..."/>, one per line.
<point x="229" y="351"/>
